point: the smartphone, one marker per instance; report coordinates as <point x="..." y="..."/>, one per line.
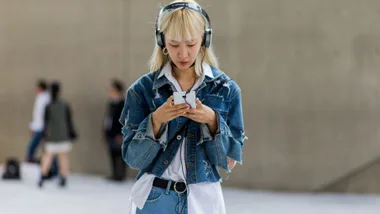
<point x="183" y="97"/>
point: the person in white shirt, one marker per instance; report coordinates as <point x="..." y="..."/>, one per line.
<point x="179" y="149"/>
<point x="36" y="127"/>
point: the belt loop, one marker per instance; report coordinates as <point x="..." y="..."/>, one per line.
<point x="168" y="187"/>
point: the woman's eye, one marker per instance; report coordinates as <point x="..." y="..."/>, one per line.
<point x="191" y="45"/>
<point x="174" y="46"/>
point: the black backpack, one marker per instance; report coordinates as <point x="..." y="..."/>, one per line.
<point x="12" y="170"/>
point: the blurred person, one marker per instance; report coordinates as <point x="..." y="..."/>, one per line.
<point x="59" y="134"/>
<point x="112" y="129"/>
<point x="177" y="148"/>
<point x="37" y="125"/>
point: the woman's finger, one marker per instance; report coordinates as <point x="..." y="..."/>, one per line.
<point x="181" y="106"/>
<point x="192" y="111"/>
<point x="198" y="102"/>
<point x="180" y="113"/>
<point x="190" y="116"/>
<point x="169" y="102"/>
<point x="170" y="99"/>
<point x="175" y="112"/>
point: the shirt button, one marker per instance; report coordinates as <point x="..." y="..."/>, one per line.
<point x="179" y="137"/>
<point x="189" y="164"/>
<point x="166" y="161"/>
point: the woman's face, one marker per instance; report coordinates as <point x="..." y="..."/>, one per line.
<point x="183" y="53"/>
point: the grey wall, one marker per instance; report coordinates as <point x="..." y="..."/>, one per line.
<point x="78" y="42"/>
<point x="308" y="69"/>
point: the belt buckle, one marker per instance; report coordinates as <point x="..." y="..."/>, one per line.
<point x="179" y="192"/>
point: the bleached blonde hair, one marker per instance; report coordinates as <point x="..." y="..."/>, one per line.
<point x="182" y="24"/>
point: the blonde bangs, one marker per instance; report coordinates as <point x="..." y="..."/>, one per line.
<point x="185" y="25"/>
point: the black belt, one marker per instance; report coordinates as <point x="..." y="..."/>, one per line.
<point x="179" y="187"/>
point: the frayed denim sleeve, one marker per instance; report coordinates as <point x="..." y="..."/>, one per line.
<point x="229" y="137"/>
<point x="139" y="147"/>
<point x="162" y="135"/>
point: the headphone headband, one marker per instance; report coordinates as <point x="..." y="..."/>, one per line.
<point x="191" y="6"/>
<point x="207" y="34"/>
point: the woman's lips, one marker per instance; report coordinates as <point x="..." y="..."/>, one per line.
<point x="183" y="63"/>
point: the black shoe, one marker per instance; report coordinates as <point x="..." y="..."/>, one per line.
<point x="110" y="178"/>
<point x="41" y="181"/>
<point x="117" y="179"/>
<point x="62" y="182"/>
<point x="120" y="179"/>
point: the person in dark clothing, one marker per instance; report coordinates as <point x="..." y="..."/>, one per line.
<point x="112" y="130"/>
<point x="59" y="134"/>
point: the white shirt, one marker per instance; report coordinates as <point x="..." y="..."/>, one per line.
<point x="42" y="100"/>
<point x="203" y="198"/>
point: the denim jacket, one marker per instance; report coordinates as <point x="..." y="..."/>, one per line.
<point x="204" y="153"/>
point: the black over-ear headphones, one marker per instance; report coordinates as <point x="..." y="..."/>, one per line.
<point x="160" y="38"/>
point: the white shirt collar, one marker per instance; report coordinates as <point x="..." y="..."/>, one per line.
<point x="167" y="70"/>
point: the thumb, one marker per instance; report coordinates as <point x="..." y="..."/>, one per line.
<point x="198" y="102"/>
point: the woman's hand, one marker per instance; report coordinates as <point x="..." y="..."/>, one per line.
<point x="231" y="163"/>
<point x="167" y="112"/>
<point x="203" y="114"/>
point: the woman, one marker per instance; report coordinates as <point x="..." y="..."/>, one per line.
<point x="59" y="134"/>
<point x="177" y="148"/>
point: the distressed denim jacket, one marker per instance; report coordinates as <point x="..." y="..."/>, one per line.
<point x="204" y="153"/>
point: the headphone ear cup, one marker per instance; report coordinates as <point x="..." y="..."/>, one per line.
<point x="204" y="39"/>
<point x="160" y="39"/>
<point x="207" y="38"/>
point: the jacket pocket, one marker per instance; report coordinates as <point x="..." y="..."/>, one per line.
<point x="217" y="103"/>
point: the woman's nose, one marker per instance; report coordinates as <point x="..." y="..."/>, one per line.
<point x="183" y="53"/>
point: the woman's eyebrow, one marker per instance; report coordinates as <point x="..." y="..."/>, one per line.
<point x="174" y="41"/>
<point x="191" y="41"/>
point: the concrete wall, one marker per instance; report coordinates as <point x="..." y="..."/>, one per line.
<point x="80" y="43"/>
<point x="309" y="72"/>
